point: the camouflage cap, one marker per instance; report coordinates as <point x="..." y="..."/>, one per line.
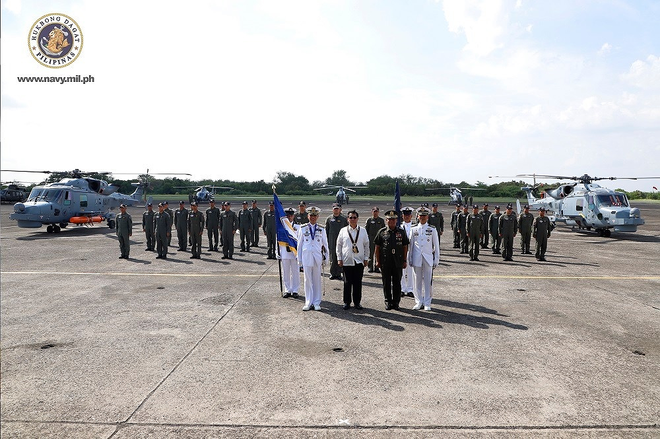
<point x="391" y="214"/>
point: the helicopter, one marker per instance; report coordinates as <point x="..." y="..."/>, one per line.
<point x="13" y="193"/>
<point x="455" y="194"/>
<point x="586" y="204"/>
<point x="341" y="196"/>
<point x="202" y="194"/>
<point x="78" y="199"/>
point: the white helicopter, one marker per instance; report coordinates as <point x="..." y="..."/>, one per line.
<point x="341" y="196"/>
<point x="455" y="194"/>
<point x="77" y="200"/>
<point x="586" y="204"/>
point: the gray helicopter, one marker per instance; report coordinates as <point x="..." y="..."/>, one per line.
<point x="79" y="199"/>
<point x="586" y="204"/>
<point x="455" y="194"/>
<point x="202" y="194"/>
<point x="341" y="196"/>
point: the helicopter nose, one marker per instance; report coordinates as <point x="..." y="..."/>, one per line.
<point x="19" y="207"/>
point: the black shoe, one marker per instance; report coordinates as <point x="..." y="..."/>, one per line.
<point x="346" y="306"/>
<point x="542" y="259"/>
<point x="286" y="295"/>
<point x="247" y="250"/>
<point x="476" y="259"/>
<point x="395" y="307"/>
<point x="193" y="257"/>
<point x="358" y="306"/>
<point x="224" y="257"/>
<point x="388" y="306"/>
<point x="294" y="295"/>
<point x="370" y="271"/>
<point x="159" y="257"/>
<point x="410" y="294"/>
<point x="377" y="270"/>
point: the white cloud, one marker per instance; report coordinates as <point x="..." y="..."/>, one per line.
<point x="644" y="74"/>
<point x="484" y="23"/>
<point x="605" y="49"/>
<point x="12" y="6"/>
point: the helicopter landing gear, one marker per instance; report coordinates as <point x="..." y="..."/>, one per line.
<point x="606" y="233"/>
<point x="63" y="225"/>
<point x="111" y="224"/>
<point x="49" y="229"/>
<point x="53" y="228"/>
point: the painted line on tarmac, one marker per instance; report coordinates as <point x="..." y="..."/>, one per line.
<point x="446" y="276"/>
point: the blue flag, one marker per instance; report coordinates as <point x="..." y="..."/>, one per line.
<point x="286" y="234"/>
<point x="397" y="203"/>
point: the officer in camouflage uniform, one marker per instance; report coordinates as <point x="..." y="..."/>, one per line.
<point x="454" y="226"/>
<point x="196" y="227"/>
<point x="245" y="227"/>
<point x="213" y="225"/>
<point x="169" y="211"/>
<point x="256" y="223"/>
<point x="372" y="226"/>
<point x="437" y="220"/>
<point x="333" y="224"/>
<point x="228" y="227"/>
<point x="270" y="230"/>
<point x="494" y="226"/>
<point x="542" y="229"/>
<point x="525" y="225"/>
<point x="508" y="226"/>
<point x="485" y="216"/>
<point x="474" y="228"/>
<point x="301" y="217"/>
<point x="124" y="230"/>
<point x="148" y="227"/>
<point x="181" y="225"/>
<point x="391" y="258"/>
<point x="462" y="228"/>
<point x="163" y="227"/>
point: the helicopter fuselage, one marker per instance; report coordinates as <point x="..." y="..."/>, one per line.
<point x="589" y="206"/>
<point x="76" y="200"/>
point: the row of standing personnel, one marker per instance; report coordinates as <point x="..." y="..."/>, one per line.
<point x="473" y="230"/>
<point x="221" y="225"/>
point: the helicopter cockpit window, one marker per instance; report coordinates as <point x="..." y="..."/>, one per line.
<point x="43" y="194"/>
<point x="67" y="198"/>
<point x="35" y="193"/>
<point x="613" y="200"/>
<point x="83" y="200"/>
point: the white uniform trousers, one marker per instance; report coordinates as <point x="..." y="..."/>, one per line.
<point x="291" y="275"/>
<point x="423" y="276"/>
<point x="313" y="290"/>
<point x="407" y="282"/>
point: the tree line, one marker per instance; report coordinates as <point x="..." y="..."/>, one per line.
<point x="288" y="183"/>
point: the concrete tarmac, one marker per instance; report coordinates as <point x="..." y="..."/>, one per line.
<point x="99" y="347"/>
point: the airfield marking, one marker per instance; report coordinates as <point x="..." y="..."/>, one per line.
<point x="445" y="276"/>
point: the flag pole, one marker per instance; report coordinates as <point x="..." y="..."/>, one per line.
<point x="279" y="256"/>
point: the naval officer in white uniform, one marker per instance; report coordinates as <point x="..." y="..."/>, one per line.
<point x="407" y="283"/>
<point x="423" y="257"/>
<point x="312" y="253"/>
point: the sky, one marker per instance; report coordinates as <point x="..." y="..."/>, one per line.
<point x="240" y="90"/>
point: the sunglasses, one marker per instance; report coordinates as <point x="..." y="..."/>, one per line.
<point x="352" y="217"/>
